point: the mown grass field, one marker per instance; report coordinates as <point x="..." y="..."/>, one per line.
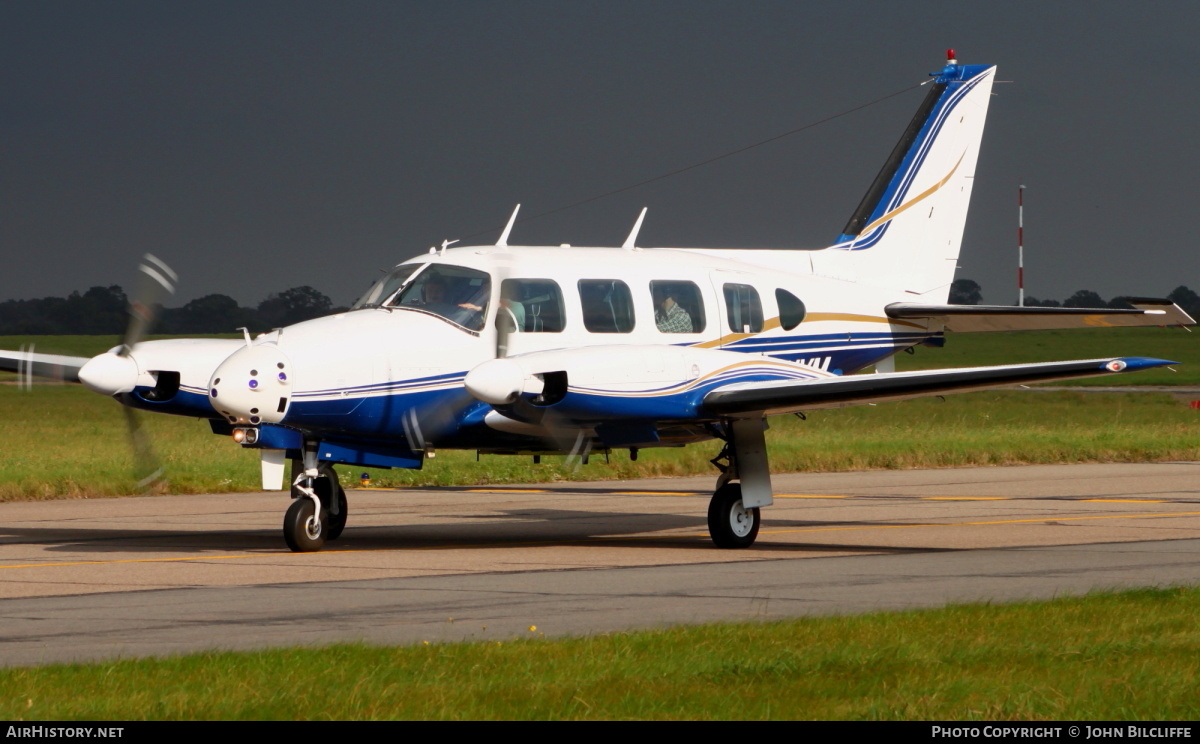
<point x="961" y="350"/>
<point x="971" y="349"/>
<point x="63" y="441"/>
<point x="1103" y="657"/>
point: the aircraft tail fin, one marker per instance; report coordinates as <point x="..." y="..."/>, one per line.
<point x="908" y="229"/>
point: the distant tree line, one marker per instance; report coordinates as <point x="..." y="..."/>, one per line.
<point x="968" y="292"/>
<point x="104" y="311"/>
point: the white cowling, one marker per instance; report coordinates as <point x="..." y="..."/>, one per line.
<point x="110" y="374"/>
<point x="252" y="386"/>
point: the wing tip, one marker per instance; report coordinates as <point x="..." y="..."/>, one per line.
<point x="1134" y="364"/>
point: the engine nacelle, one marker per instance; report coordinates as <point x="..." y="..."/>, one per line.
<point x="597" y="383"/>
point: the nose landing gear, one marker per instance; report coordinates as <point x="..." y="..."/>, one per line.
<point x="303" y="528"/>
<point x="318" y="511"/>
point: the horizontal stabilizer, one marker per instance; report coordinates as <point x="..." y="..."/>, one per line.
<point x="48" y="366"/>
<point x="807" y="395"/>
<point x="969" y="318"/>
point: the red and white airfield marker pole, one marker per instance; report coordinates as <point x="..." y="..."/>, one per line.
<point x="1021" y="245"/>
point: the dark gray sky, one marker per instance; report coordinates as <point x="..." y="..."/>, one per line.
<point x="257" y="146"/>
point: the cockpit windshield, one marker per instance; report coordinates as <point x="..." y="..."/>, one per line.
<point x="458" y="294"/>
<point x="382" y="290"/>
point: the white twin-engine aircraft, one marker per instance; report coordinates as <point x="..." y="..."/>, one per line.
<point x="512" y="349"/>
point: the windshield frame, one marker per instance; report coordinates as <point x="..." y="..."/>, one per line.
<point x="466" y="295"/>
<point x="376" y="290"/>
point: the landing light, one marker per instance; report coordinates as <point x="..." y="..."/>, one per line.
<point x="244" y="435"/>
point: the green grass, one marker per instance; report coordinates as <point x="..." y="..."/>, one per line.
<point x="973" y="349"/>
<point x="63" y="441"/>
<point x="961" y="350"/>
<point x="1129" y="656"/>
<point x="82" y="346"/>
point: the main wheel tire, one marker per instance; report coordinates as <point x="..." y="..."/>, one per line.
<point x="729" y="523"/>
<point x="301" y="530"/>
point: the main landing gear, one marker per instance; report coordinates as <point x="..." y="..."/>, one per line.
<point x="733" y="513"/>
<point x="318" y="510"/>
<point x="730" y="523"/>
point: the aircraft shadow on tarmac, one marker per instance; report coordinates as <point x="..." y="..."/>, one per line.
<point x="522" y="527"/>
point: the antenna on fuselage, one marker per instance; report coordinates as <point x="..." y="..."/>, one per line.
<point x="503" y="241"/>
<point x="637" y="226"/>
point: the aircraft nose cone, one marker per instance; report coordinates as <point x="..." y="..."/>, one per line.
<point x="253" y="386"/>
<point x="109" y="374"/>
<point x="497" y="382"/>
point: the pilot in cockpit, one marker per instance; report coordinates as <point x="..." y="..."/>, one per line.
<point x="463" y="305"/>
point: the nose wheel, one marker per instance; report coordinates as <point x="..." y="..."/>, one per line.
<point x="304" y="530"/>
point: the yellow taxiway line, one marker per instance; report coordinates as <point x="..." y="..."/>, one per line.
<point x="278" y="555"/>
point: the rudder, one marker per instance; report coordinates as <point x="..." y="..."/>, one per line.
<point x="907" y="231"/>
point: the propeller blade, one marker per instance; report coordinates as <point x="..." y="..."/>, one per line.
<point x="506" y="319"/>
<point x="430" y="423"/>
<point x="155" y="283"/>
<point x="28" y="364"/>
<point x="566" y="437"/>
<point x="146" y="467"/>
<point x="579" y="451"/>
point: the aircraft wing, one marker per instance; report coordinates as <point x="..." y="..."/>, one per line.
<point x="53" y="366"/>
<point x="968" y="318"/>
<point x="807" y="395"/>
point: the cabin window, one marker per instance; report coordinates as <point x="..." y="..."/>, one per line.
<point x="607" y="305"/>
<point x="678" y="307"/>
<point x="744" y="308"/>
<point x="530" y="306"/>
<point x="454" y="293"/>
<point x="791" y="309"/>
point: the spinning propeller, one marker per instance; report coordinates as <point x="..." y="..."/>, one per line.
<point x="500" y="383"/>
<point x="115" y="373"/>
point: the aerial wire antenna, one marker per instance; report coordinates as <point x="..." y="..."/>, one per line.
<point x="694" y="166"/>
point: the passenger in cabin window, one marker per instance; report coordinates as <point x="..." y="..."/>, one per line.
<point x="512" y="314"/>
<point x="669" y="315"/>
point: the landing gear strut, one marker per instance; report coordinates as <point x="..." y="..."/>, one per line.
<point x="318" y="510"/>
<point x="733" y="516"/>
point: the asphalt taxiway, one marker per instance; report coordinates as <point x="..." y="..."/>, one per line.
<point x="105" y="578"/>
